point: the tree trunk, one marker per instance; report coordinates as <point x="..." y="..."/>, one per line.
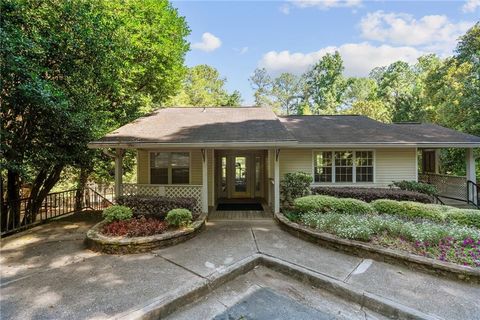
<point x="82" y="182"/>
<point x="44" y="182"/>
<point x="13" y="200"/>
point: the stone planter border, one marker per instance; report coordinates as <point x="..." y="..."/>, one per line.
<point x="122" y="245"/>
<point x="366" y="250"/>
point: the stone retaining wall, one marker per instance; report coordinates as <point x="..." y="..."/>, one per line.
<point x="96" y="241"/>
<point x="366" y="250"/>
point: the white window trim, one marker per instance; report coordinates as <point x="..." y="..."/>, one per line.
<point x="354" y="170"/>
<point x="169" y="171"/>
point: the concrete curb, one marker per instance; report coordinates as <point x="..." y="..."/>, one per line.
<point x="366" y="250"/>
<point x="163" y="306"/>
<point x="120" y="245"/>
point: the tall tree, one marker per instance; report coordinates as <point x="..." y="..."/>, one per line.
<point x="262" y="84"/>
<point x="287" y="93"/>
<point x="72" y="70"/>
<point x="204" y="87"/>
<point x="325" y="84"/>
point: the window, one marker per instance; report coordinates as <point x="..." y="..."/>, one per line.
<point x="343" y="166"/>
<point x="323" y="166"/>
<point x="169" y="168"/>
<point x="364" y="166"/>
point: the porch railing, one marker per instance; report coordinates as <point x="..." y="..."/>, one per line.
<point x="22" y="214"/>
<point x="451" y="187"/>
<point x="172" y="191"/>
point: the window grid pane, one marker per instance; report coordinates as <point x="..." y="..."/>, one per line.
<point x="364" y="166"/>
<point x="343" y="166"/>
<point x="323" y="167"/>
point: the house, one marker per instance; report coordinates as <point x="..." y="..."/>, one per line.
<point x="216" y="154"/>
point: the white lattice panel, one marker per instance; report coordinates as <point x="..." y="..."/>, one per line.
<point x="186" y="192"/>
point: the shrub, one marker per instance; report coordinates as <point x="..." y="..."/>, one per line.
<point x="421" y="187"/>
<point x="156" y="206"/>
<point x="371" y="194"/>
<point x="293" y="186"/>
<point x="179" y="217"/>
<point x="117" y="213"/>
<point x="136" y="227"/>
<point x="409" y="209"/>
<point x="467" y="217"/>
<point x="323" y="204"/>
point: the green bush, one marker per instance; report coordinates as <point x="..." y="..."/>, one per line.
<point x="293" y="186"/>
<point x="416" y="186"/>
<point x="466" y="217"/>
<point x="409" y="209"/>
<point x="179" y="217"/>
<point x="117" y="213"/>
<point x="324" y="204"/>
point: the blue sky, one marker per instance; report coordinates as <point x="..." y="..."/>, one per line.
<point x="236" y="37"/>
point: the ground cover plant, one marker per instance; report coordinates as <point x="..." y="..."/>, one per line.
<point x="120" y="221"/>
<point x="440" y="232"/>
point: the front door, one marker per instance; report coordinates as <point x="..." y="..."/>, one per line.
<point x="240" y="174"/>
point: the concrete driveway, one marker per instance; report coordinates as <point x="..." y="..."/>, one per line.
<point x="46" y="273"/>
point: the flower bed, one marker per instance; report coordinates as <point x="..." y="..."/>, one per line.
<point x="439" y="232"/>
<point x="98" y="238"/>
<point x="135" y="227"/>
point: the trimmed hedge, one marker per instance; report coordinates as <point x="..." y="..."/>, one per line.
<point x="409" y="209"/>
<point x="117" y="213"/>
<point x="179" y="217"/>
<point x="156" y="206"/>
<point x="467" y="217"/>
<point x="324" y="204"/>
<point x="371" y="194"/>
<point x="416" y="186"/>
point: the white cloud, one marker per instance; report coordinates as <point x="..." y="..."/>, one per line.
<point x="319" y="4"/>
<point x="434" y="32"/>
<point x="359" y="58"/>
<point x="471" y="5"/>
<point x="209" y="43"/>
<point x="241" y="50"/>
<point x="326" y="4"/>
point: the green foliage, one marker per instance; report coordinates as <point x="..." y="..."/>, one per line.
<point x="466" y="217"/>
<point x="179" y="217"/>
<point x="293" y="186"/>
<point x="72" y="71"/>
<point x="363" y="228"/>
<point x="416" y="186"/>
<point x="409" y="209"/>
<point x="325" y="84"/>
<point x="327" y="204"/>
<point x="203" y="87"/>
<point x="117" y="213"/>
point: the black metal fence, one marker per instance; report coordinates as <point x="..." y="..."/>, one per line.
<point x="24" y="213"/>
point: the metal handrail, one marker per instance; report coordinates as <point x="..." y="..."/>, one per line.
<point x="472" y="186"/>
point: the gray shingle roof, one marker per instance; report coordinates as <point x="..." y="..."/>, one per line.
<point x="343" y="129"/>
<point x="200" y="126"/>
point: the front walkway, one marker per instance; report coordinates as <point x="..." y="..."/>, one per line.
<point x="46" y="272"/>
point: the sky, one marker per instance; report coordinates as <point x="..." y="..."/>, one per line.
<point x="236" y="37"/>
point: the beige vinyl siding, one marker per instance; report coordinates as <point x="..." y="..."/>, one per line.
<point x="390" y="164"/>
<point x="142" y="167"/>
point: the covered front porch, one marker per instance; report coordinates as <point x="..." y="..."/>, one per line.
<point x="217" y="179"/>
<point x="461" y="191"/>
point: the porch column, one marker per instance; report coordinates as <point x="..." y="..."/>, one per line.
<point x="118" y="172"/>
<point x="204" y="181"/>
<point x="437" y="161"/>
<point x="276" y="179"/>
<point x="471" y="173"/>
